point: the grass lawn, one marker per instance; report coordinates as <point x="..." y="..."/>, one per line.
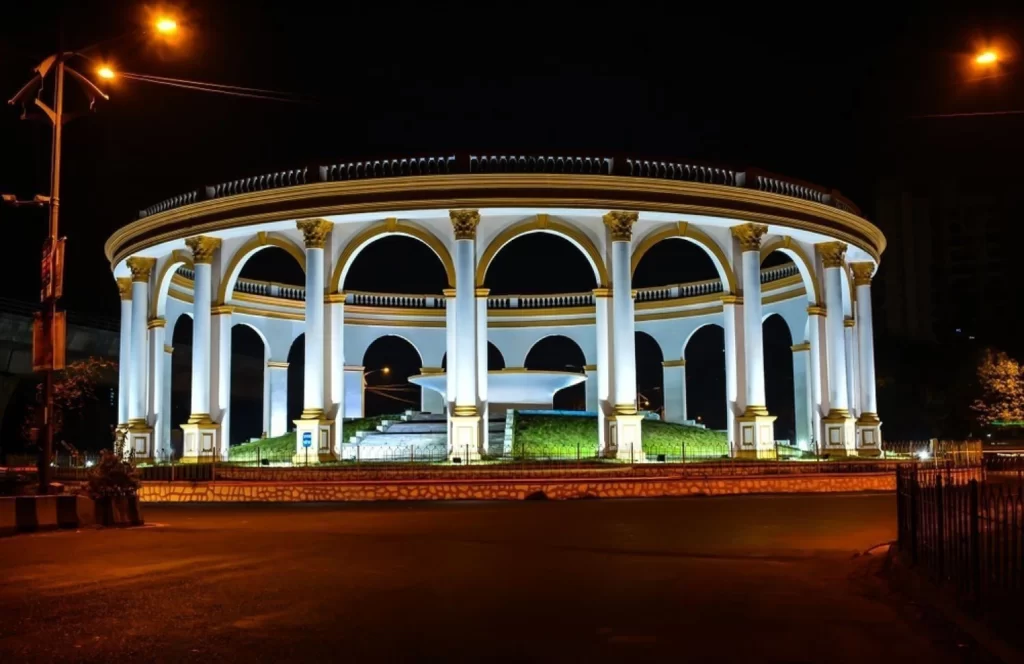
<point x="561" y="436"/>
<point x="282" y="448"/>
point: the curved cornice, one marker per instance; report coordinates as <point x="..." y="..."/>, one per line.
<point x="494" y="190"/>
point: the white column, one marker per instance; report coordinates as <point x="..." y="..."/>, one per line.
<point x="623" y="334"/>
<point x="450" y="354"/>
<point x="139" y="381"/>
<point x="732" y="328"/>
<point x="124" y="362"/>
<point x="220" y="344"/>
<point x="431" y="401"/>
<point x="836" y="343"/>
<point x="850" y="346"/>
<point x="355" y="385"/>
<point x="590" y="388"/>
<point x="164" y="449"/>
<point x="336" y="361"/>
<point x="626" y="426"/>
<point x="159" y="382"/>
<point x="862" y="273"/>
<point x="315" y="233"/>
<point x="605" y="368"/>
<point x="276" y="376"/>
<point x="818" y="361"/>
<point x="481" y="362"/>
<point x="673" y="374"/>
<point x="203" y="249"/>
<point x="465" y="327"/>
<point x="802" y="408"/>
<point x="749" y="236"/>
<point x="266" y="397"/>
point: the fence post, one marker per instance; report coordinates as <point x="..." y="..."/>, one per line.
<point x="412" y="453"/>
<point x="684" y="451"/>
<point x="259" y="461"/>
<point x="940" y="527"/>
<point x="975" y="541"/>
<point x="915" y="521"/>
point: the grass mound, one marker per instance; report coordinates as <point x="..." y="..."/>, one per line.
<point x="281" y="449"/>
<point x="562" y="436"/>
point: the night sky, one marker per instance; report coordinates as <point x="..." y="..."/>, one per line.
<point x="829" y="95"/>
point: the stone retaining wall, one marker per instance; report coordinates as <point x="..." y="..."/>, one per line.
<point x="556" y="489"/>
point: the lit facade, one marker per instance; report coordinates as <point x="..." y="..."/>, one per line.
<point x="184" y="256"/>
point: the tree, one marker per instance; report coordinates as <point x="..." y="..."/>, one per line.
<point x="73" y="388"/>
<point x="1001" y="380"/>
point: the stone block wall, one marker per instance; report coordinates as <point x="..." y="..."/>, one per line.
<point x="499" y="489"/>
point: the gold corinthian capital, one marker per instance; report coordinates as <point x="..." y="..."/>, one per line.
<point x="832" y="253"/>
<point x="464" y="223"/>
<point x="141" y="267"/>
<point x="314" y="232"/>
<point x="749" y="236"/>
<point x="124" y="287"/>
<point x="862" y="273"/>
<point x="620" y="224"/>
<point x="203" y="247"/>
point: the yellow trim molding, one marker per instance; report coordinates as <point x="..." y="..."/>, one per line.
<point x="695" y="235"/>
<point x="276" y="364"/>
<point x="156" y="322"/>
<point x="796" y="348"/>
<point x="792" y="248"/>
<point x="543" y="223"/>
<point x="391" y="226"/>
<point x="673" y="363"/>
<point x="244" y="252"/>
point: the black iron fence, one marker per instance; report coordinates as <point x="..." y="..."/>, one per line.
<point x="968" y="534"/>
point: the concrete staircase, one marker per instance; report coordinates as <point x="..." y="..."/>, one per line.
<point x="414" y="436"/>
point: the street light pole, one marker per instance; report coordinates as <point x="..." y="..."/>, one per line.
<point x="51" y="290"/>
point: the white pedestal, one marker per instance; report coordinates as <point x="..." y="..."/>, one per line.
<point x="840" y="434"/>
<point x="201" y="441"/>
<point x="624" y="437"/>
<point x="869" y="435"/>
<point x="464" y="438"/>
<point x="139" y="439"/>
<point x="756" y="437"/>
<point x="318" y="433"/>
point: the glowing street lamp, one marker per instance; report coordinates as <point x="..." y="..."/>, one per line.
<point x="987" y="58"/>
<point x="165" y="25"/>
<point x="105" y="72"/>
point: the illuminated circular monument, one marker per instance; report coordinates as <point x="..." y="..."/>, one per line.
<point x="183" y="257"/>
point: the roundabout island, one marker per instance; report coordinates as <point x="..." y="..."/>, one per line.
<point x="183" y="257"/>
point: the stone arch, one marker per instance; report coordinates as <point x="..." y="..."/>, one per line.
<point x="542" y="223"/>
<point x="248" y="384"/>
<point x="779" y="374"/>
<point x="495" y="358"/>
<point x="261" y="241"/>
<point x="158" y="302"/>
<point x="390" y="226"/>
<point x="687" y="231"/>
<point x="649" y="375"/>
<point x="397" y="336"/>
<point x="804" y="264"/>
<point x="570" y="398"/>
<point x="389" y="391"/>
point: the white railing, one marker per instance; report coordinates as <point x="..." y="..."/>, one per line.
<point x="412" y="301"/>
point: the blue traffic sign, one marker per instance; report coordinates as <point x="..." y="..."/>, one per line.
<point x="307" y="438"/>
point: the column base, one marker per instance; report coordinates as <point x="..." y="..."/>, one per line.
<point x="624" y="437"/>
<point x="313" y="439"/>
<point x="138" y="441"/>
<point x="464" y="437"/>
<point x="756" y="434"/>
<point x="869" y="435"/>
<point x="202" y="439"/>
<point x="840" y="433"/>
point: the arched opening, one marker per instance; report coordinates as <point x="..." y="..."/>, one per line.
<point x="778" y="376"/>
<point x="387" y="364"/>
<point x="675" y="261"/>
<point x="705" y="377"/>
<point x="495" y="360"/>
<point x="181" y="382"/>
<point x="650" y="384"/>
<point x="397" y="264"/>
<point x="270" y="264"/>
<point x="784" y="253"/>
<point x="558" y="353"/>
<point x="539" y="263"/>
<point x="296" y="379"/>
<point x="248" y="367"/>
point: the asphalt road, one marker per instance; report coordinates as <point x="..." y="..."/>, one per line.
<point x="726" y="579"/>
